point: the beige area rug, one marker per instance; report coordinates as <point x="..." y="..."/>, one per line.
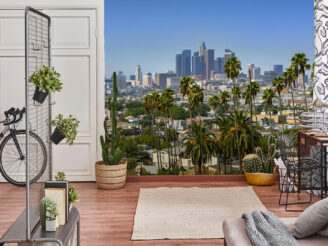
<point x="190" y="213"/>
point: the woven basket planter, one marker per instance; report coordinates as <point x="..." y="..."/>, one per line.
<point x="110" y="177"/>
<point x="261" y="179"/>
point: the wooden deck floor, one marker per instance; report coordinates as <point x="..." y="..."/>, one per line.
<point x="107" y="216"/>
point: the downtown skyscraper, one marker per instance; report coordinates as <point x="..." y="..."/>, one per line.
<point x="183" y="63"/>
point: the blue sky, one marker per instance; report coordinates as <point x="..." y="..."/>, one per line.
<point x="152" y="32"/>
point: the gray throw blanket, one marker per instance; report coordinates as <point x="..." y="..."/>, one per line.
<point x="265" y="229"/>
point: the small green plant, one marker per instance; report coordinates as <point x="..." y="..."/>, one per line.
<point x="61" y="176"/>
<point x="48" y="210"/>
<point x="267" y="161"/>
<point x="73" y="195"/>
<point x="67" y="127"/>
<point x="252" y="163"/>
<point x="112" y="153"/>
<point x="47" y="79"/>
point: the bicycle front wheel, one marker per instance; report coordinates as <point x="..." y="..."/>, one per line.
<point x="13" y="166"/>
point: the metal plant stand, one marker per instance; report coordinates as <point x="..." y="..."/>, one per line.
<point x="27" y="229"/>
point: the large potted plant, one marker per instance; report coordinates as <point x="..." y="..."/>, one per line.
<point x="64" y="128"/>
<point x="48" y="214"/>
<point x="46" y="80"/>
<point x="259" y="169"/>
<point x="111" y="171"/>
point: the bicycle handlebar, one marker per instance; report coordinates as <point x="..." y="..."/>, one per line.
<point x="14" y="112"/>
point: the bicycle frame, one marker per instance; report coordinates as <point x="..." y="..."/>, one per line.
<point x="12" y="131"/>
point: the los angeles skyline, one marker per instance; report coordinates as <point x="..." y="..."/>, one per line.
<point x="257" y="37"/>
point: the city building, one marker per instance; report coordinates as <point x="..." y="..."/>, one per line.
<point x="178" y="64"/>
<point x="138" y="75"/>
<point x="121" y="80"/>
<point x="186" y="62"/>
<point x="147" y="81"/>
<point x="278" y="69"/>
<point x="161" y="78"/>
<point x="268" y="76"/>
<point x="173" y="83"/>
<point x="132" y="77"/>
<point x="250" y="67"/>
<point x="219" y="65"/>
<point x="227" y="54"/>
<point x="256" y="74"/>
<point x="196" y="69"/>
<point x="208" y="63"/>
<point x="202" y="47"/>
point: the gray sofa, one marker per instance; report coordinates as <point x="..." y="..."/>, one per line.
<point x="235" y="234"/>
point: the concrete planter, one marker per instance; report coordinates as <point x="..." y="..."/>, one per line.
<point x="51" y="225"/>
<point x="110" y="177"/>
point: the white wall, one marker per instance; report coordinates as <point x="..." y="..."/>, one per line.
<point x="78" y="54"/>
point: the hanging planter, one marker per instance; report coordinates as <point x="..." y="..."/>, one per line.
<point x="46" y="81"/>
<point x="65" y="128"/>
<point x="39" y="96"/>
<point x="56" y="136"/>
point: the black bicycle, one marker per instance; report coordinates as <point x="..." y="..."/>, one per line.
<point x="13" y="150"/>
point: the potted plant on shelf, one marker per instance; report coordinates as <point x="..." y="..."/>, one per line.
<point x="46" y="80"/>
<point x="48" y="214"/>
<point x="73" y="194"/>
<point x="65" y="128"/>
<point x="259" y="169"/>
<point x="111" y="171"/>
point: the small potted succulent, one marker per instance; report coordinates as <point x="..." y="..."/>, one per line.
<point x="48" y="214"/>
<point x="46" y="80"/>
<point x="111" y="171"/>
<point x="259" y="169"/>
<point x="64" y="128"/>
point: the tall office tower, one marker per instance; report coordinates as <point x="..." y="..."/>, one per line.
<point x="219" y="65"/>
<point x="250" y="67"/>
<point x="178" y="65"/>
<point x="209" y="63"/>
<point x="138" y="75"/>
<point x="196" y="64"/>
<point x="278" y="69"/>
<point x="256" y="74"/>
<point x="268" y="76"/>
<point x="121" y="80"/>
<point x="186" y="62"/>
<point x="227" y="54"/>
<point x="147" y="81"/>
<point x="202" y="47"/>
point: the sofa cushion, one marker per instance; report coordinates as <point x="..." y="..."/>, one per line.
<point x="324" y="231"/>
<point x="235" y="234"/>
<point x="311" y="220"/>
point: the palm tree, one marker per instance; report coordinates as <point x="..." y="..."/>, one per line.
<point x="232" y="69"/>
<point x="224" y="99"/>
<point x="214" y="101"/>
<point x="196" y="96"/>
<point x="167" y="102"/>
<point x="268" y="96"/>
<point x="246" y="128"/>
<point x="299" y="62"/>
<point x="279" y="85"/>
<point x="289" y="78"/>
<point x="199" y="145"/>
<point x="236" y="91"/>
<point x="185" y="87"/>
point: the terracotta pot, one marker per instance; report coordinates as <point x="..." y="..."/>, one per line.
<point x="110" y="177"/>
<point x="261" y="179"/>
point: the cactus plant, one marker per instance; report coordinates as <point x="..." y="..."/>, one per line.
<point x="268" y="161"/>
<point x="48" y="211"/>
<point x="112" y="153"/>
<point x="252" y="163"/>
